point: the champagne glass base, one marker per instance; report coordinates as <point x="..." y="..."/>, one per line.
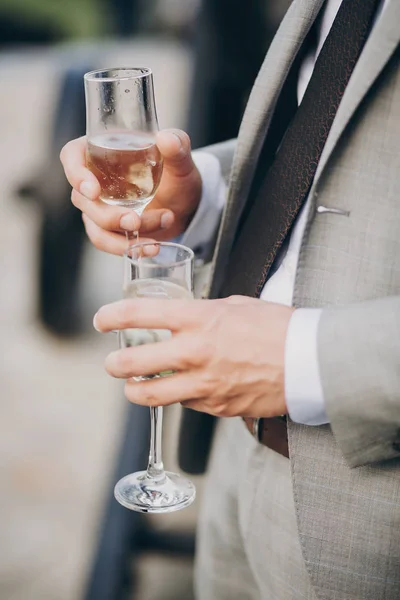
<point x="146" y="495"/>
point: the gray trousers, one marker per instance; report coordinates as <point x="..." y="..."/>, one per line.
<point x="248" y="544"/>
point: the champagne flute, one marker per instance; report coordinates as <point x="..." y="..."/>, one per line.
<point x="121" y="128"/>
<point x="160" y="270"/>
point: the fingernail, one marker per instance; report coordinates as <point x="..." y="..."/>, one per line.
<point x="150" y="250"/>
<point x="166" y="220"/>
<point x="95" y="323"/>
<point x="128" y="222"/>
<point x="88" y="190"/>
<point x="176" y="136"/>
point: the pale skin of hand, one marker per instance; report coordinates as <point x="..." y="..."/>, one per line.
<point x="228" y="354"/>
<point x="167" y="216"/>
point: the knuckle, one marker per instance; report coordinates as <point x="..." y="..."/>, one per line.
<point x="204" y="388"/>
<point x="140" y="395"/>
<point x="200" y="352"/>
<point x="219" y="409"/>
<point x="149" y="398"/>
<point x="209" y="384"/>
<point x="109" y="220"/>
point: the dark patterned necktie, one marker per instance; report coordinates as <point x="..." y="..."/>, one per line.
<point x="272" y="209"/>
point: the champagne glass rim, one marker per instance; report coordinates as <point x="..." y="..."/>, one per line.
<point x="103" y="74"/>
<point x="189" y="251"/>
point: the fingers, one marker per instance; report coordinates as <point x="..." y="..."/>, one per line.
<point x="150" y="313"/>
<point x="174" y="145"/>
<point x="118" y="218"/>
<point x="113" y="243"/>
<point x="73" y="159"/>
<point x="156" y="220"/>
<point x="163" y="391"/>
<point x="179" y="353"/>
<point x="127" y="363"/>
<point x="107" y="241"/>
<point x="151" y="221"/>
<point x="105" y="216"/>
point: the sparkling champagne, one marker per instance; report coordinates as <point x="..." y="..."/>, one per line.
<point x="151" y="288"/>
<point x="128" y="167"/>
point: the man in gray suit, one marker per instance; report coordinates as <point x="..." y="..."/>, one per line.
<point x="318" y="341"/>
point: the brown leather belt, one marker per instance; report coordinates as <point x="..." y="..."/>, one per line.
<point x="270" y="432"/>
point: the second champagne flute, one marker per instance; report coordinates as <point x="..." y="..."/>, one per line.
<point x="121" y="128"/>
<point x="164" y="271"/>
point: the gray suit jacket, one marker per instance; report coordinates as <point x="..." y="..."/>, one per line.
<point x="346" y="476"/>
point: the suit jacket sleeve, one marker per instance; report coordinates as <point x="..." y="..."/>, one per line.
<point x="359" y="358"/>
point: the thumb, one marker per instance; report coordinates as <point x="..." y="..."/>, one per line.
<point x="174" y="145"/>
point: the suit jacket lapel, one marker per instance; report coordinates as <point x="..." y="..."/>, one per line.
<point x="381" y="44"/>
<point x="257" y="116"/>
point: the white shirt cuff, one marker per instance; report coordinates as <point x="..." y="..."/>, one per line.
<point x="303" y="389"/>
<point x="202" y="230"/>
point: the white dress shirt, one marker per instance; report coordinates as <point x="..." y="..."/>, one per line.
<point x="303" y="389"/>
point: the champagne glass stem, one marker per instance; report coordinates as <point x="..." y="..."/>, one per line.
<point x="132" y="237"/>
<point x="155" y="468"/>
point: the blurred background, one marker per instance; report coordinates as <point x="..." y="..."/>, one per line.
<point x="66" y="432"/>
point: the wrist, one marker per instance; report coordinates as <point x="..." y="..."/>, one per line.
<point x="272" y="403"/>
